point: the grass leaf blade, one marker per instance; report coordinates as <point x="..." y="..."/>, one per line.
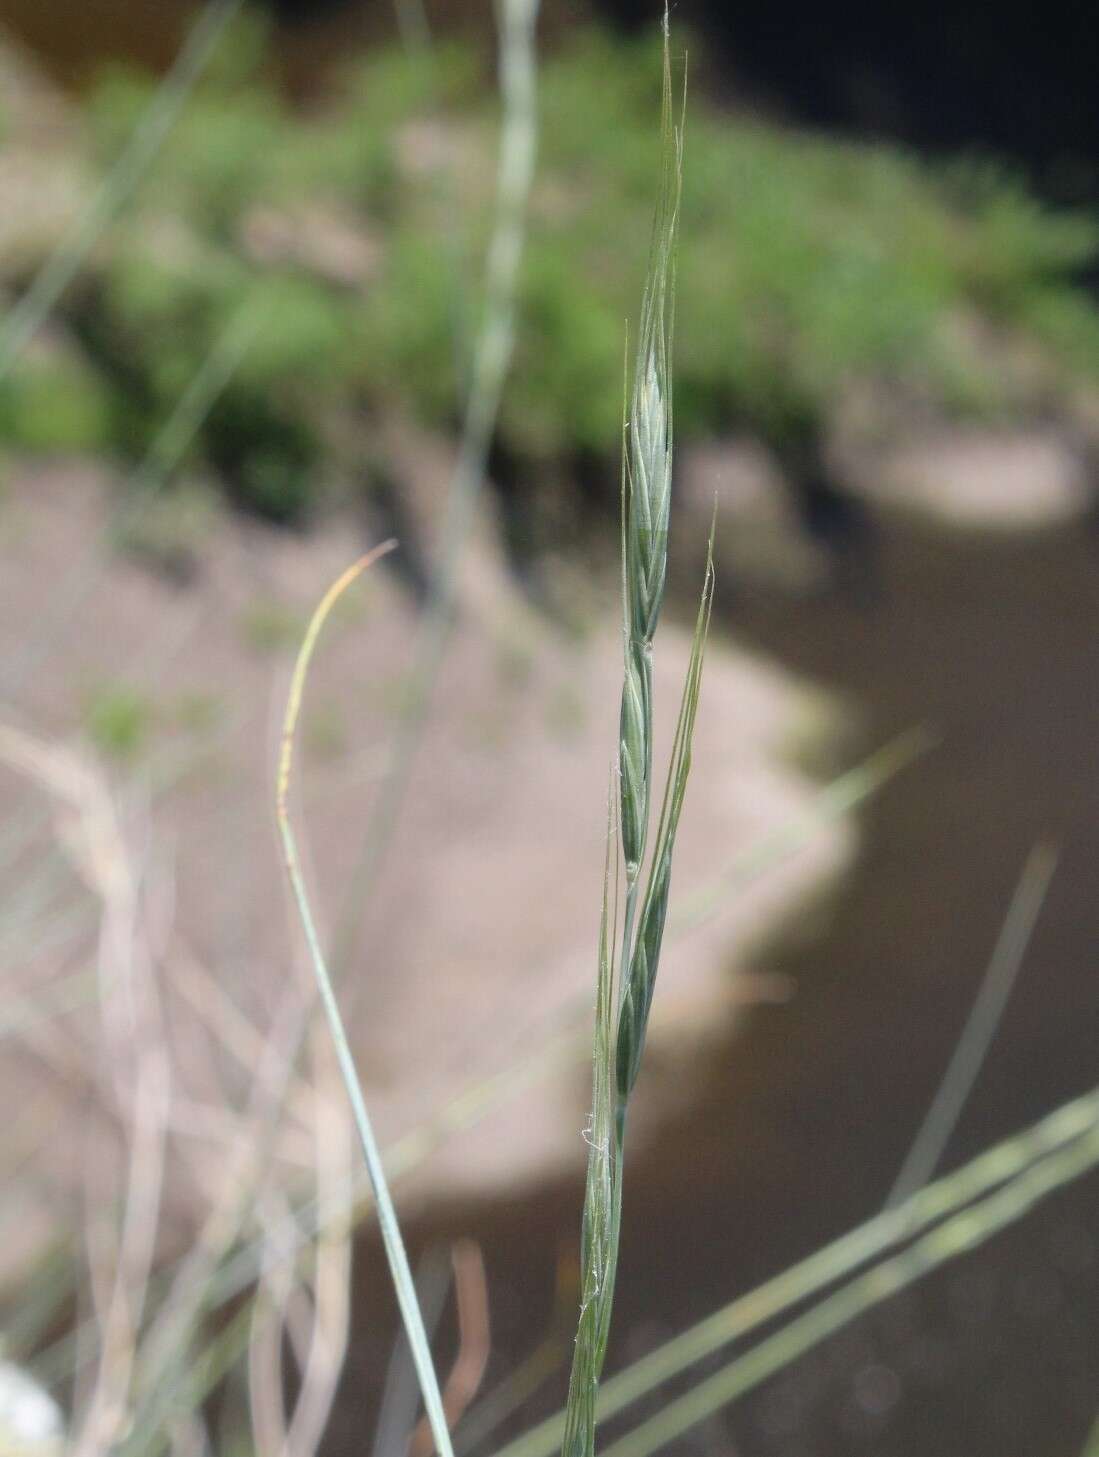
<point x="387" y="1217"/>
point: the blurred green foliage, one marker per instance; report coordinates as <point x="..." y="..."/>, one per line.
<point x="119" y="720"/>
<point x="806" y="264"/>
<point x="57" y="403"/>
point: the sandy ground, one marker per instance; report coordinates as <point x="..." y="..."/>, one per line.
<point x="475" y="950"/>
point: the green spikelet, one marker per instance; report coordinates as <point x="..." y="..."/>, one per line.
<point x="647" y="491"/>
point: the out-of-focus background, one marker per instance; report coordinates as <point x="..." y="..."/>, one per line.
<point x="243" y="313"/>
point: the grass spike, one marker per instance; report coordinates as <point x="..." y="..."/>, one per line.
<point x="646" y="489"/>
<point x="646" y="504"/>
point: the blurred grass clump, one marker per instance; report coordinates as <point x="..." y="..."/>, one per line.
<point x="354" y="228"/>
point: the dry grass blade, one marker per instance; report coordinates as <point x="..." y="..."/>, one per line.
<point x="474" y="1341"/>
<point x="387" y="1217"/>
<point x="137" y="1076"/>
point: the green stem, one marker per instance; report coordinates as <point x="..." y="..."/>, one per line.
<point x="492" y="358"/>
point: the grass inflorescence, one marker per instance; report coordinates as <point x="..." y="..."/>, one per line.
<point x="628" y="965"/>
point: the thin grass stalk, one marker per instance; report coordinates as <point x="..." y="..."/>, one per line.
<point x="133" y="162"/>
<point x="602" y="1194"/>
<point x="387" y="1216"/>
<point x="321" y="1367"/>
<point x="981" y="1024"/>
<point x="400" y="1393"/>
<point x="491" y="359"/>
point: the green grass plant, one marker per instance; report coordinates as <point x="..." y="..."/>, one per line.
<point x="814" y="299"/>
<point x="626" y="986"/>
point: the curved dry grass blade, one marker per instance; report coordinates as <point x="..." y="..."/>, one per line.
<point x="387" y="1217"/>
